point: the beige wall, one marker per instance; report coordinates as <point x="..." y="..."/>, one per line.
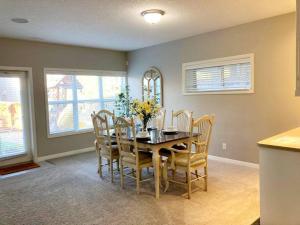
<point x="241" y="120"/>
<point x="41" y="55"/>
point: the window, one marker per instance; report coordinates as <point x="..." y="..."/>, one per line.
<point x="73" y="95"/>
<point x="230" y="75"/>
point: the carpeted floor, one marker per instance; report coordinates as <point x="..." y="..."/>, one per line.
<point x="69" y="191"/>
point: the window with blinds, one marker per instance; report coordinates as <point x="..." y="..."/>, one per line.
<point x="228" y="75"/>
<point x="72" y="95"/>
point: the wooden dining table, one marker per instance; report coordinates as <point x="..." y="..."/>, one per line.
<point x="158" y="140"/>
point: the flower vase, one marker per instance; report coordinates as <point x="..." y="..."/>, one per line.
<point x="144" y="132"/>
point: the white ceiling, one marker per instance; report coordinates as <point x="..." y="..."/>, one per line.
<point x="117" y="24"/>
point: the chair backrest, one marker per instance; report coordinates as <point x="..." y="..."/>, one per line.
<point x="102" y="123"/>
<point x="202" y="126"/>
<point x="110" y="116"/>
<point x="159" y="121"/>
<point x="102" y="128"/>
<point x="182" y="119"/>
<point x="125" y="129"/>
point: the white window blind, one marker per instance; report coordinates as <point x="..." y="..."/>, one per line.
<point x="225" y="75"/>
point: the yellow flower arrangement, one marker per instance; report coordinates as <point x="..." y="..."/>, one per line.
<point x="144" y="110"/>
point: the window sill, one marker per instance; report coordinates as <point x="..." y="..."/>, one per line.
<point x="219" y="92"/>
<point x="69" y="133"/>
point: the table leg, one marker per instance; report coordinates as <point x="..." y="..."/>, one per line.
<point x="156" y="160"/>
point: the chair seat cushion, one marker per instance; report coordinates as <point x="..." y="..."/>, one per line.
<point x="106" y="152"/>
<point x="181" y="146"/>
<point x="113" y="142"/>
<point x="167" y="151"/>
<point x="181" y="159"/>
<point x="144" y="157"/>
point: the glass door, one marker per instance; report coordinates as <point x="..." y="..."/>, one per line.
<point x="14" y="118"/>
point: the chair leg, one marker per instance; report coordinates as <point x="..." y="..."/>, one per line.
<point x="108" y="163"/>
<point x="111" y="166"/>
<point x="122" y="174"/>
<point x="173" y="174"/>
<point x="196" y="172"/>
<point x="140" y="173"/>
<point x="189" y="184"/>
<point x="100" y="165"/>
<point x="165" y="176"/>
<point x="205" y="178"/>
<point x="138" y="180"/>
<point x="118" y="164"/>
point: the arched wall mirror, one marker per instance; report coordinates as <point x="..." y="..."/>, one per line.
<point x="152" y="85"/>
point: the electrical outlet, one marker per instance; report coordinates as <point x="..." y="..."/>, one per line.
<point x="224" y="146"/>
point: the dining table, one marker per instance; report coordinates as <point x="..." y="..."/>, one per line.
<point x="156" y="141"/>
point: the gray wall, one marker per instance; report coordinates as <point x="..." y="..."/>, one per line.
<point x="242" y="119"/>
<point x="41" y="55"/>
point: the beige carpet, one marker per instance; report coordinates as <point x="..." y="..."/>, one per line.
<point x="69" y="191"/>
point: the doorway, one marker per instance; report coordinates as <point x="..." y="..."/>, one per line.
<point x="16" y="139"/>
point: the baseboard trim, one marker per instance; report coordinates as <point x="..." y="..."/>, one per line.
<point x="233" y="161"/>
<point x="89" y="149"/>
<point x="63" y="154"/>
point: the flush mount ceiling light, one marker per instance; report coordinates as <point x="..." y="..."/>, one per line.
<point x="19" y="20"/>
<point x="153" y="15"/>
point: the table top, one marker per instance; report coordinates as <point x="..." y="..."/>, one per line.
<point x="160" y="137"/>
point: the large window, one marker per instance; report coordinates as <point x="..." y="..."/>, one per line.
<point x="73" y="95"/>
<point x="230" y="75"/>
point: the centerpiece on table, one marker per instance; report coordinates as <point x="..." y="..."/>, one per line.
<point x="145" y="111"/>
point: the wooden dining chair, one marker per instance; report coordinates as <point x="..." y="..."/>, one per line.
<point x="130" y="156"/>
<point x="105" y="146"/>
<point x="193" y="159"/>
<point x="159" y="121"/>
<point x="182" y="120"/>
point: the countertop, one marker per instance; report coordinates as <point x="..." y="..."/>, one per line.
<point x="289" y="140"/>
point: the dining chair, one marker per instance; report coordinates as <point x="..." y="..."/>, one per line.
<point x="130" y="155"/>
<point x="105" y="146"/>
<point x="182" y="120"/>
<point x="195" y="156"/>
<point x="159" y="121"/>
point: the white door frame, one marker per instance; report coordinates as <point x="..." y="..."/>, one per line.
<point x="32" y="123"/>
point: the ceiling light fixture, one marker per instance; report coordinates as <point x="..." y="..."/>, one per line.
<point x="153" y="15"/>
<point x="19" y="20"/>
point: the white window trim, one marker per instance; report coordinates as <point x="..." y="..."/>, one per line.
<point x="74" y="72"/>
<point x="219" y="62"/>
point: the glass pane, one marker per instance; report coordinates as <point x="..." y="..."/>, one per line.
<point x="11" y="125"/>
<point x="237" y="76"/>
<point x="145" y="91"/>
<point x="151" y="89"/>
<point x="59" y="87"/>
<point x="157" y="90"/>
<point x="60" y="117"/>
<point x="112" y="86"/>
<point x="209" y="78"/>
<point x="84" y="114"/>
<point x="87" y="87"/>
<point x="109" y="105"/>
